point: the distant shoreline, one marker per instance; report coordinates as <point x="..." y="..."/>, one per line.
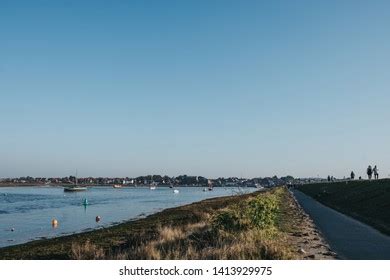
<point x="4" y="185"/>
<point x="49" y="185"/>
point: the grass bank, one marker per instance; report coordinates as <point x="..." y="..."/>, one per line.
<point x="262" y="225"/>
<point x="367" y="201"/>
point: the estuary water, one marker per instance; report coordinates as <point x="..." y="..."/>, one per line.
<point x="26" y="212"/>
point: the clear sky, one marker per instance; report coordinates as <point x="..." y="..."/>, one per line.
<point x="212" y="88"/>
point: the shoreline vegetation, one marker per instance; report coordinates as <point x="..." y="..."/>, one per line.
<point x="367" y="201"/>
<point x="261" y="225"/>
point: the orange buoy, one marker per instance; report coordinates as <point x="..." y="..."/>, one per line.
<point x="98" y="219"/>
<point x="54" y="223"/>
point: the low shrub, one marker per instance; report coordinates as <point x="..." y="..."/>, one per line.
<point x="262" y="211"/>
<point x="229" y="220"/>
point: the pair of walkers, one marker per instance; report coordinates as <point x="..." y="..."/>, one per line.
<point x="371" y="171"/>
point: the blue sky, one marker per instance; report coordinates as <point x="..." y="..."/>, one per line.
<point x="213" y="88"/>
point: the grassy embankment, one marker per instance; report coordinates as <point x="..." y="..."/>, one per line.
<point x="252" y="226"/>
<point x="367" y="201"/>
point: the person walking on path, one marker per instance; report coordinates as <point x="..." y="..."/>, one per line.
<point x="369" y="172"/>
<point x="376" y="175"/>
<point x="352" y="175"/>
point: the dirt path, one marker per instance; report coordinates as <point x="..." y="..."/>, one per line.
<point x="349" y="238"/>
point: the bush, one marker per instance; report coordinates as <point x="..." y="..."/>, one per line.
<point x="229" y="220"/>
<point x="262" y="211"/>
<point x="259" y="212"/>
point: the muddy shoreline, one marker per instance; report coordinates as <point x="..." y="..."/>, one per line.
<point x="302" y="236"/>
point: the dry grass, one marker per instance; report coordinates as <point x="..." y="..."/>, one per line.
<point x="86" y="251"/>
<point x="200" y="240"/>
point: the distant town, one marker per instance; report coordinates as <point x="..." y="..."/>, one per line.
<point x="182" y="180"/>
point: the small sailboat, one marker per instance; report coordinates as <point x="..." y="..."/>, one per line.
<point x="175" y="190"/>
<point x="153" y="186"/>
<point x="75" y="187"/>
<point x="210" y="185"/>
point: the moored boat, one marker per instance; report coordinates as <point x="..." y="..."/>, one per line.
<point x="152" y="185"/>
<point x="210" y="185"/>
<point x="75" y="187"/>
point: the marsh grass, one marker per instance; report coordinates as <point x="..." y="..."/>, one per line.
<point x="245" y="229"/>
<point x="86" y="251"/>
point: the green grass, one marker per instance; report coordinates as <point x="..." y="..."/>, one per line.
<point x="367" y="201"/>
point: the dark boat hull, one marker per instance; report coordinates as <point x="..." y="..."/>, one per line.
<point x="74" y="189"/>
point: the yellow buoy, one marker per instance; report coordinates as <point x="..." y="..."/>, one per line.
<point x="54" y="223"/>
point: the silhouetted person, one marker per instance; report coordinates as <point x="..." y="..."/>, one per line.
<point x="369" y="172"/>
<point x="328" y="178"/>
<point x="352" y="175"/>
<point x="360" y="177"/>
<point x="376" y="175"/>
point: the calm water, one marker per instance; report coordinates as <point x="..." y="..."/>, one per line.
<point x="29" y="210"/>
